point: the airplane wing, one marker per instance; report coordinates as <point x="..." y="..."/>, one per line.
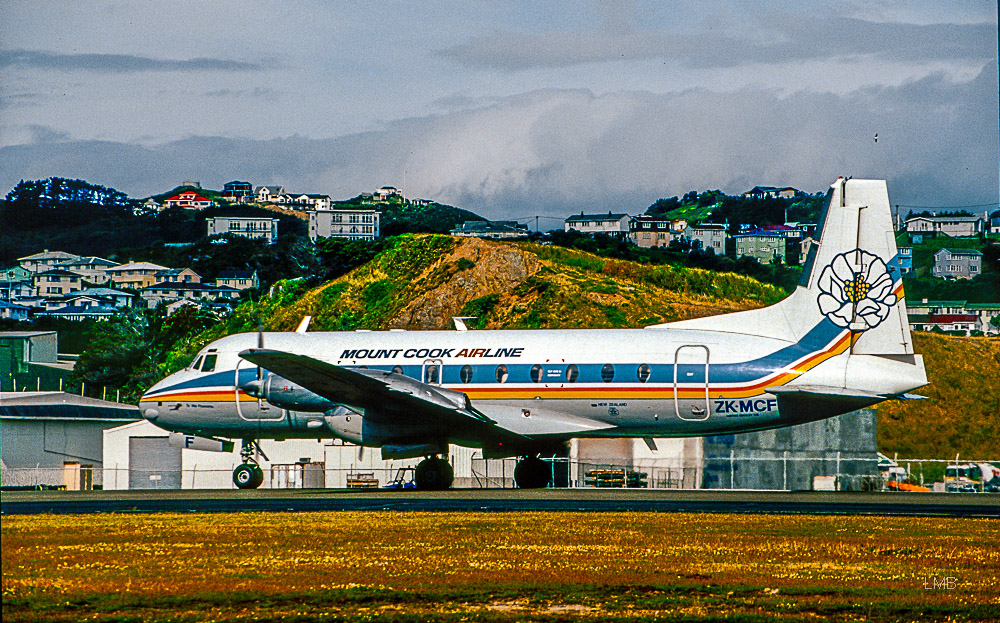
<point x="384" y="396"/>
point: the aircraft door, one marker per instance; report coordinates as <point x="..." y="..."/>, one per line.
<point x="691" y="383"/>
<point x="248" y="408"/>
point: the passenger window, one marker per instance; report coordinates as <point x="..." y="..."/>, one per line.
<point x="644" y="372"/>
<point x="501" y="374"/>
<point x="466" y="374"/>
<point x="431" y="374"/>
<point x="608" y="373"/>
<point x="397" y="369"/>
<point x="536" y="373"/>
<point x="209" y="364"/>
<point x="572" y="373"/>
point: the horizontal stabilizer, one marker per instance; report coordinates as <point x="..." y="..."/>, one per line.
<point x="808" y="403"/>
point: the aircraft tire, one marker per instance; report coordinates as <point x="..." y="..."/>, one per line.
<point x="433" y="474"/>
<point x="532" y="473"/>
<point x="248" y="476"/>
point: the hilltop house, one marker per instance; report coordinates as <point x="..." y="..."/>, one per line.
<point x="93" y="269"/>
<point x="238" y="279"/>
<point x="708" y="236"/>
<point x="649" y="231"/>
<point x="246" y="226"/>
<point x="490" y="229"/>
<point x="926" y="315"/>
<point x="771" y="192"/>
<point x="135" y="275"/>
<point x="189" y="200"/>
<point x="763" y="245"/>
<point x="170" y="291"/>
<point x="905" y="260"/>
<point x="56" y="282"/>
<point x="237" y="191"/>
<point x="383" y="194"/>
<point x="309" y="202"/>
<point x="349" y="224"/>
<point x="957" y="263"/>
<point x="269" y="194"/>
<point x="612" y="224"/>
<point x="46" y="260"/>
<point x="920" y="227"/>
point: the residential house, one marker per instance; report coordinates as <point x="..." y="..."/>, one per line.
<point x="246" y="226"/>
<point x="309" y="202"/>
<point x="491" y="229"/>
<point x="763" y="245"/>
<point x="178" y="275"/>
<point x="190" y="200"/>
<point x="349" y="224"/>
<point x="15" y="273"/>
<point x="238" y="279"/>
<point x="612" y="224"/>
<point x="994" y="223"/>
<point x="708" y="236"/>
<point x="238" y="192"/>
<point x="135" y="275"/>
<point x="16" y="290"/>
<point x="46" y="260"/>
<point x="957" y="264"/>
<point x="905" y="260"/>
<point x="920" y="227"/>
<point x="926" y="315"/>
<point x="57" y="282"/>
<point x="987" y="317"/>
<point x="771" y="192"/>
<point x="383" y="194"/>
<point x="13" y="311"/>
<point x="91" y="297"/>
<point x="152" y="205"/>
<point x="93" y="269"/>
<point x="170" y="291"/>
<point x="269" y="194"/>
<point x="649" y="231"/>
<point x="81" y="312"/>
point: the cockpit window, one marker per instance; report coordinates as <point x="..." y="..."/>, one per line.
<point x="209" y="364"/>
<point x="197" y="364"/>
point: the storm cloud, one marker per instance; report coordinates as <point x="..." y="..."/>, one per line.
<point x="558" y="151"/>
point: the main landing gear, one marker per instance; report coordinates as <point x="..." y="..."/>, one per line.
<point x="532" y="472"/>
<point x="249" y="475"/>
<point x="433" y="474"/>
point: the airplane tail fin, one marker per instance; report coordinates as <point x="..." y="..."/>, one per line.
<point x="852" y="276"/>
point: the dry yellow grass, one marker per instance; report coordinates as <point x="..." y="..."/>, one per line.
<point x="517" y="566"/>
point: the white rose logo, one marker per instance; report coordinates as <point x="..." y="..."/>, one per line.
<point x="847" y="296"/>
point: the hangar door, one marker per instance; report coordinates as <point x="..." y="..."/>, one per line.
<point x="153" y="464"/>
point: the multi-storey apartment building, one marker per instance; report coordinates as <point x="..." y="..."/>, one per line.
<point x="349" y="224"/>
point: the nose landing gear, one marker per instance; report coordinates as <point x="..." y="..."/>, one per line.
<point x="249" y="475"/>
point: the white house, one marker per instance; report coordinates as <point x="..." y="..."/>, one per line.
<point x="612" y="224"/>
<point x="246" y="226"/>
<point x="349" y="224"/>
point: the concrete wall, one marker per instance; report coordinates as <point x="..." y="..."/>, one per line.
<point x="789" y="458"/>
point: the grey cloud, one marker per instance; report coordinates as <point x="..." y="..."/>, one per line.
<point x="45" y="134"/>
<point x="781" y="39"/>
<point x="557" y="152"/>
<point x="117" y="63"/>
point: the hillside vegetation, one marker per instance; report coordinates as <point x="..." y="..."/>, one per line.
<point x="962" y="412"/>
<point x="422" y="281"/>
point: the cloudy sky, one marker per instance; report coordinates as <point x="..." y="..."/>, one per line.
<point x="510" y="108"/>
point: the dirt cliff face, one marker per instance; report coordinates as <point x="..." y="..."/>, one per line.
<point x="476" y="268"/>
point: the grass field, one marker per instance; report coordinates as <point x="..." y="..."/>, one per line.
<point x="498" y="567"/>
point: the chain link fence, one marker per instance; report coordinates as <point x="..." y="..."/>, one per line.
<point x="782" y="473"/>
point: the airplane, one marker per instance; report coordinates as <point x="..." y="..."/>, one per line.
<point x="838" y="343"/>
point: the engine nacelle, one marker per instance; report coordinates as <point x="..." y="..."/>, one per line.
<point x="285" y="394"/>
<point x="345" y="423"/>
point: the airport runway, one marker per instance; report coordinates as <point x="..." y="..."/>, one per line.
<point x="502" y="500"/>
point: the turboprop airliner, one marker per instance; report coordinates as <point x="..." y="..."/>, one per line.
<point x="838" y="343"/>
